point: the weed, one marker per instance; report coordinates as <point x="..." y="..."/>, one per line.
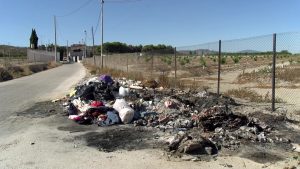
<point x="203" y="62"/>
<point x="223" y="60"/>
<point x="251" y="95"/>
<point x="288" y="74"/>
<point x="148" y="58"/>
<point x="236" y="59"/>
<point x="115" y="73"/>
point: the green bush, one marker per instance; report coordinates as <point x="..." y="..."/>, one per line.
<point x="202" y="62"/>
<point x="236" y="59"/>
<point x="224" y="60"/>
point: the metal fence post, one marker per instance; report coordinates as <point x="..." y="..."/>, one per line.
<point x="127" y="55"/>
<point x="219" y="67"/>
<point x="94" y="59"/>
<point x="273" y="72"/>
<point x="152" y="63"/>
<point x="175" y="60"/>
<point x="34" y="58"/>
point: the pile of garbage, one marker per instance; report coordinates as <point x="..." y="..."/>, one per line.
<point x="197" y="122"/>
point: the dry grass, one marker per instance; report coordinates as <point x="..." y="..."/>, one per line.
<point x="264" y="75"/>
<point x="259" y="76"/>
<point x="162" y="79"/>
<point x="114" y="73"/>
<point x="9" y="71"/>
<point x="53" y="64"/>
<point x="289" y="74"/>
<point x="251" y="95"/>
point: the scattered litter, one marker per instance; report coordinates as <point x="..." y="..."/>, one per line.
<point x="194" y="122"/>
<point x="226" y="165"/>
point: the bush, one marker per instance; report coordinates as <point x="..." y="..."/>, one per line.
<point x="38" y="68"/>
<point x="15" y="69"/>
<point x="236" y="59"/>
<point x="202" y="62"/>
<point x="5" y="75"/>
<point x="223" y="60"/>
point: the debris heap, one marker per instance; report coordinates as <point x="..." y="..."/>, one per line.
<point x="195" y="122"/>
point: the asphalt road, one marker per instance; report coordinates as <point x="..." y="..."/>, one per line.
<point x="22" y="93"/>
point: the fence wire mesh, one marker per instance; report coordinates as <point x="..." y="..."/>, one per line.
<point x="288" y="70"/>
<point x="245" y="67"/>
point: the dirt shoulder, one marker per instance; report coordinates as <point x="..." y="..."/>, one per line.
<point x="44" y="138"/>
<point x="9" y="72"/>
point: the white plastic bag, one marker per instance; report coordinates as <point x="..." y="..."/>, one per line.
<point x="123" y="91"/>
<point x="126" y="113"/>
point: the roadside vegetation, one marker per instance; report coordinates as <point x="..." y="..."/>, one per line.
<point x="251" y="95"/>
<point x="288" y="74"/>
<point x="9" y="72"/>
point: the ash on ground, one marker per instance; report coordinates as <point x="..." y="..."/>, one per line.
<point x="190" y="125"/>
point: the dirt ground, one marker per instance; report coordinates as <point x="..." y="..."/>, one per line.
<point x="44" y="138"/>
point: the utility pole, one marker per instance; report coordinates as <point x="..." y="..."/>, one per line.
<point x="85" y="44"/>
<point x="67" y="50"/>
<point x="55" y="47"/>
<point x="102" y="4"/>
<point x="93" y="48"/>
<point x="93" y="40"/>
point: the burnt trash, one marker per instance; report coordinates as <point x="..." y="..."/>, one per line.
<point x="197" y="122"/>
<point x="219" y="116"/>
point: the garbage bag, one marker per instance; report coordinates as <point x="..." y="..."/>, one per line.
<point x="102" y="91"/>
<point x="72" y="110"/>
<point x="126" y="113"/>
<point x="109" y="119"/>
<point x="86" y="92"/>
<point x="123" y="91"/>
<point x="106" y="79"/>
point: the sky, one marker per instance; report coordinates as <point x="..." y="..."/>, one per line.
<point x="172" y="22"/>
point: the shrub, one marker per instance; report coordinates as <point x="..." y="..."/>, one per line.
<point x="223" y="60"/>
<point x="202" y="62"/>
<point x="251" y="95"/>
<point x="38" y="68"/>
<point x="5" y="75"/>
<point x="236" y="59"/>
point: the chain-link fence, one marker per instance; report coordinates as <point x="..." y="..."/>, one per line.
<point x="241" y="68"/>
<point x="35" y="56"/>
<point x="288" y="69"/>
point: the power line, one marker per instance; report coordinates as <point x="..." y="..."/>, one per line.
<point x="113" y="1"/>
<point x="121" y="1"/>
<point x="98" y="21"/>
<point x="77" y="9"/>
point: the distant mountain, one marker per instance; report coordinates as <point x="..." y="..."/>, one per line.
<point x="198" y="51"/>
<point x="249" y="51"/>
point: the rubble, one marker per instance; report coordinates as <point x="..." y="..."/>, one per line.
<point x="196" y="122"/>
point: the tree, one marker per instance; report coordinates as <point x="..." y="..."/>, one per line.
<point x="33" y="39"/>
<point x="118" y="47"/>
<point x="160" y="48"/>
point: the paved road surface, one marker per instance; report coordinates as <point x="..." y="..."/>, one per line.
<point x="21" y="93"/>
